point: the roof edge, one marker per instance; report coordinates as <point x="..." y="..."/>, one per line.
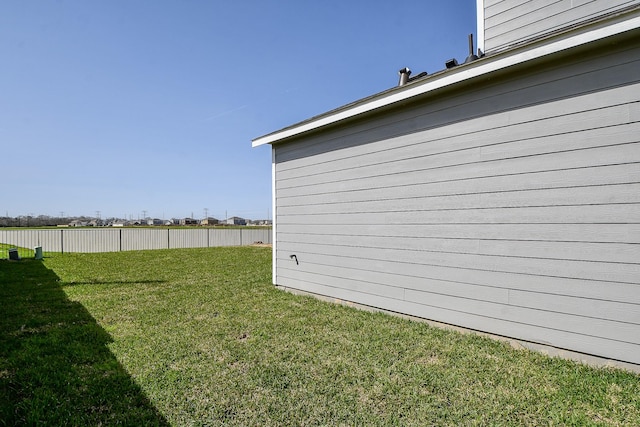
<point x="499" y="61"/>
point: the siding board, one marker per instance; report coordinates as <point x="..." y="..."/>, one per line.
<point x="616" y="311"/>
<point x="599" y="252"/>
<point x="592" y="233"/>
<point x="595" y="214"/>
<point x="572" y="196"/>
<point x="577" y="178"/>
<point x="566" y="133"/>
<point x="614" y="331"/>
<point x="423" y="277"/>
<point x="381" y="259"/>
<point x="512" y="21"/>
<point x="443" y="139"/>
<point x="495" y="7"/>
<point x="347" y="282"/>
<point x="350" y="180"/>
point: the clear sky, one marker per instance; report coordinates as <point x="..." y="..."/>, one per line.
<point x="130" y="106"/>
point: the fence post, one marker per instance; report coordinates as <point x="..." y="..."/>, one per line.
<point x="120" y="233"/>
<point x="62" y="241"/>
<point x="168" y="234"/>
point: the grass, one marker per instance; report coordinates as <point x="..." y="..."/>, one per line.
<point x="201" y="337"/>
<point x="4" y="250"/>
<point x="23" y="252"/>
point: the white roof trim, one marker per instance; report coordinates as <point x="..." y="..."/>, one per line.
<point x="480" y="23"/>
<point x="451" y="77"/>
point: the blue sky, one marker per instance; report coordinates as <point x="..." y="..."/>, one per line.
<point x="130" y="106"/>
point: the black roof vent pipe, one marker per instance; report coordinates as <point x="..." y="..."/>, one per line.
<point x="404" y="76"/>
<point x="472" y="56"/>
<point x="453" y="62"/>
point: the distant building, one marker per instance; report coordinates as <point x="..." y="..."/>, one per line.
<point x="259" y="222"/>
<point x="188" y="221"/>
<point x="236" y="220"/>
<point x="154" y="221"/>
<point x="209" y="221"/>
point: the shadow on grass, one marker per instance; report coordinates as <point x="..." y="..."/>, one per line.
<point x="55" y="366"/>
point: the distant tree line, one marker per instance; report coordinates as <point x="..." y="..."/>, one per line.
<point x="39" y="221"/>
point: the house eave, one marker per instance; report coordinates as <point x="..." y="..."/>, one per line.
<point x="538" y="49"/>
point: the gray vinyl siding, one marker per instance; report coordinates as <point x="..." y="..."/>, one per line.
<point x="507" y="22"/>
<point x="510" y="206"/>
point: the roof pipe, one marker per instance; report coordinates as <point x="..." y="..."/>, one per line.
<point x="404" y="76"/>
<point x="472" y="56"/>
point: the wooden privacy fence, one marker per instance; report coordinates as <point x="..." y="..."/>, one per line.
<point x="126" y="239"/>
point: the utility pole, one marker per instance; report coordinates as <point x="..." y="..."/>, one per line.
<point x="206" y="213"/>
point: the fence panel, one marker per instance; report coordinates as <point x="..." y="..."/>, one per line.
<point x="125" y="239"/>
<point x="225" y="237"/>
<point x="89" y="240"/>
<point x="250" y="236"/>
<point x="137" y="239"/>
<point x="188" y="238"/>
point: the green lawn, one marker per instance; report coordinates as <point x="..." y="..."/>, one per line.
<point x="4" y="250"/>
<point x="201" y="337"/>
<point x="23" y="252"/>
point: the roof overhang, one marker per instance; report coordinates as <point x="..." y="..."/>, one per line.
<point x="541" y="48"/>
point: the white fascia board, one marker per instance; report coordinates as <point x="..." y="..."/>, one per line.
<point x="480" y="23"/>
<point x="274" y="220"/>
<point x="454" y="76"/>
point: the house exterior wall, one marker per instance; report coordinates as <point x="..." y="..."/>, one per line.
<point x="508" y="22"/>
<point x="509" y="205"/>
